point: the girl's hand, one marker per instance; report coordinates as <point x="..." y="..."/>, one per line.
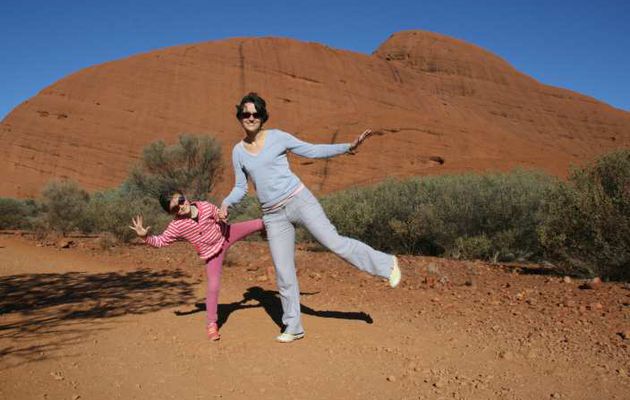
<point x="357" y="142"/>
<point x="137" y="226"/>
<point x="223" y="213"/>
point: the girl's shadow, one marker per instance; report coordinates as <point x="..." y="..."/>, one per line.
<point x="269" y="300"/>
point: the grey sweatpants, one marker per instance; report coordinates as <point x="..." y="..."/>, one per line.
<point x="304" y="209"/>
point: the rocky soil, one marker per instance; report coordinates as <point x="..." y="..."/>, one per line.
<point x="80" y="322"/>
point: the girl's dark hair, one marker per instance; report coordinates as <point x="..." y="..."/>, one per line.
<point x="259" y="103"/>
<point x="166" y="196"/>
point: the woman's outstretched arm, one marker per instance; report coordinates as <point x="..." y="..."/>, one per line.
<point x="310" y="150"/>
<point x="240" y="187"/>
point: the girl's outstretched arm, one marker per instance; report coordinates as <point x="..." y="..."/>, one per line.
<point x="137" y="226"/>
<point x="170" y="235"/>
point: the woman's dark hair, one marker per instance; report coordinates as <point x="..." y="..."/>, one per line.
<point x="259" y="103"/>
<point x="166" y="196"/>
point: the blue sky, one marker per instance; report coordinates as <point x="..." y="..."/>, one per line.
<point x="579" y="45"/>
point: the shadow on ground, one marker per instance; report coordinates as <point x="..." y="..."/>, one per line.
<point x="269" y="300"/>
<point x="50" y="307"/>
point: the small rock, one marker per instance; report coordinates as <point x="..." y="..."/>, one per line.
<point x="569" y="303"/>
<point x="506" y="355"/>
<point x="391" y="378"/>
<point x="315" y="275"/>
<point x="625" y="334"/>
<point x="594" y="283"/>
<point x="57" y="376"/>
<point x="432" y="268"/>
<point x="439" y="383"/>
<point x="566" y="279"/>
<point x="555" y="395"/>
<point x="65" y="243"/>
<point x="76" y="396"/>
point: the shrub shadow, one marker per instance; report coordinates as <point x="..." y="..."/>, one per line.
<point x="42" y="313"/>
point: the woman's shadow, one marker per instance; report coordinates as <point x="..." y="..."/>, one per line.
<point x="269" y="300"/>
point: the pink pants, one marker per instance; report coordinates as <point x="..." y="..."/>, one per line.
<point x="235" y="232"/>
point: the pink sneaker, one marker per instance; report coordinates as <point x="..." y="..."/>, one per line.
<point x="213" y="332"/>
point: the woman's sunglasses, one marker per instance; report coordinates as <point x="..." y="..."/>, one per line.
<point x="180" y="202"/>
<point x="246" y="115"/>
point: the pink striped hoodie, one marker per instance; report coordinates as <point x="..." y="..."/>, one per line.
<point x="207" y="234"/>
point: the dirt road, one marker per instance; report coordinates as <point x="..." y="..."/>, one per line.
<point x="128" y="323"/>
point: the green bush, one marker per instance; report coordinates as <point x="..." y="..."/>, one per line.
<point x="17" y="214"/>
<point x="248" y="208"/>
<point x="64" y="207"/>
<point x="587" y="220"/>
<point x="111" y="211"/>
<point x="193" y="165"/>
<point x="492" y="216"/>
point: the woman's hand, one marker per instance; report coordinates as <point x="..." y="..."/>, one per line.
<point x="137" y="226"/>
<point x="357" y="142"/>
<point x="223" y="213"/>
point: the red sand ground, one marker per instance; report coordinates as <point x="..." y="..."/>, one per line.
<point x="85" y="323"/>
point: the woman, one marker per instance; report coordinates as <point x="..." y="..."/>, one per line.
<point x="262" y="157"/>
<point x="199" y="223"/>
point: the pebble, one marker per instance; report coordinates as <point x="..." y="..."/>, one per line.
<point x="391" y="378"/>
<point x="57" y="376"/>
<point x="439" y="383"/>
<point x="315" y="275"/>
<point x="566" y="279"/>
<point x="569" y="303"/>
<point x="594" y="283"/>
<point x="506" y="355"/>
<point x="625" y="334"/>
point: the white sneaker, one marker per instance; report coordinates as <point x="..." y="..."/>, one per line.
<point x="289" y="337"/>
<point x="395" y="276"/>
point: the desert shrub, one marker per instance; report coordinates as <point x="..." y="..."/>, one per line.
<point x="248" y="208"/>
<point x="64" y="205"/>
<point x="469" y="216"/>
<point x="112" y="210"/>
<point x="193" y="165"/>
<point x="17" y="214"/>
<point x="587" y="219"/>
<point x="107" y="241"/>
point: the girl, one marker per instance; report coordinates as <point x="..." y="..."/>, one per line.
<point x="262" y="157"/>
<point x="199" y="223"/>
